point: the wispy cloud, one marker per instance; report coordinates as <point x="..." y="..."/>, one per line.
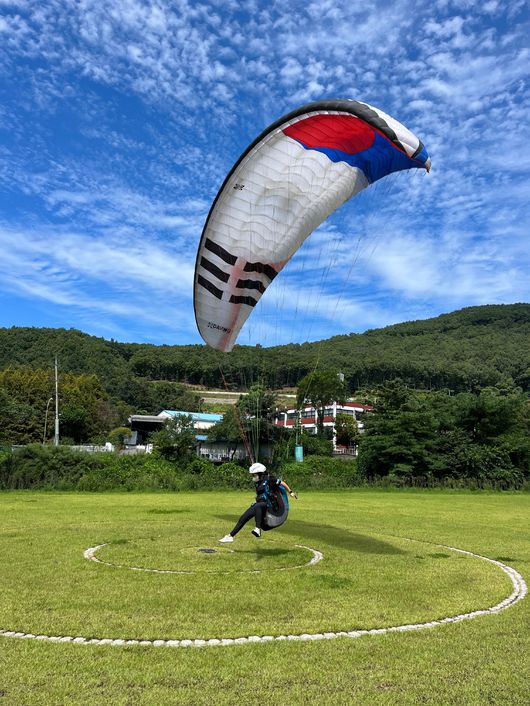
<point x="119" y="121"/>
<point x="98" y="277"/>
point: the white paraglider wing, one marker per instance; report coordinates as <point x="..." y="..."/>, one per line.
<point x="297" y="172"/>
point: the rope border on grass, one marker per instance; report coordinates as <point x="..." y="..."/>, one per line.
<point x="520" y="590"/>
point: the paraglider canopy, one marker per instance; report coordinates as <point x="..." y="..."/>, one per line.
<point x="286" y="183"/>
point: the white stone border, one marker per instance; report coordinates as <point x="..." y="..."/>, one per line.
<point x="90" y="554"/>
<point x="519" y="592"/>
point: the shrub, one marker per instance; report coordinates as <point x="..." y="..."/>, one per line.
<point x="321" y="472"/>
<point x="199" y="466"/>
<point x="36" y="466"/>
<point x="117" y="436"/>
<point x="5" y="468"/>
<point x="131" y="473"/>
<point x="316" y="445"/>
<point x="50" y="467"/>
<point x="233" y="475"/>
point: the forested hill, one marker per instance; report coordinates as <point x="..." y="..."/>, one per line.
<point x="466" y="349"/>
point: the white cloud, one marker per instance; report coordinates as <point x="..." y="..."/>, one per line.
<point x="97" y="275"/>
<point x="118" y="131"/>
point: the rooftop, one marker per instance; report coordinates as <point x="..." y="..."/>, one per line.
<point x="196" y="416"/>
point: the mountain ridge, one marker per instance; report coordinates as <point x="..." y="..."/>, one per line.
<point x="469" y="347"/>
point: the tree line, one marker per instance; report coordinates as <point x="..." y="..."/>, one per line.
<point x="412" y="438"/>
<point x="461" y="351"/>
<point x="88" y="412"/>
<point x="433" y="438"/>
<point x="450" y="394"/>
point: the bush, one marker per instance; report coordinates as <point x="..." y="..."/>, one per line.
<point x="60" y="468"/>
<point x="199" y="466"/>
<point x="321" y="472"/>
<point x="37" y="466"/>
<point x="117" y="436"/>
<point x="233" y="475"/>
<point x="316" y="445"/>
<point x="131" y="473"/>
<point x="5" y="468"/>
<point x="50" y="467"/>
<point x="45" y="467"/>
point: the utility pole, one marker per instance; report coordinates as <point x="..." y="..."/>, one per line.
<point x="56" y="437"/>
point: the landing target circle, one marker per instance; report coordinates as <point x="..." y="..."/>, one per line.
<point x="215" y="560"/>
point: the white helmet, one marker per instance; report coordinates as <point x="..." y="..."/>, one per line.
<point x="257" y="468"/>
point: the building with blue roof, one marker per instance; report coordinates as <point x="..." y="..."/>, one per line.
<point x="201" y="420"/>
<point x="143" y="425"/>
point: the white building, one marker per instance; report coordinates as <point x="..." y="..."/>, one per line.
<point x="307" y="418"/>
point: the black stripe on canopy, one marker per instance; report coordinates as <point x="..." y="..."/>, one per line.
<point x="250" y="284"/>
<point x="210" y="287"/>
<point x="267" y="270"/>
<point x="249" y="301"/>
<point x="216" y="271"/>
<point x="220" y="252"/>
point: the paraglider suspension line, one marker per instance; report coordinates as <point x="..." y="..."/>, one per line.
<point x="244" y="436"/>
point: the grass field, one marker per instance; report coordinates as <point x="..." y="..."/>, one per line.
<point x="382" y="566"/>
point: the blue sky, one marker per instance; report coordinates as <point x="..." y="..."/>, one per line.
<point x="120" y="119"/>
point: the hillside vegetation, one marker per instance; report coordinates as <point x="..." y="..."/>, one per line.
<point x="450" y="396"/>
<point x="462" y="351"/>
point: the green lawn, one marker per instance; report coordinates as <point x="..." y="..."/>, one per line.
<point x="381" y="567"/>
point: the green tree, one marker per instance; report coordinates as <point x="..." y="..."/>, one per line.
<point x="171" y="395"/>
<point x="320" y="388"/>
<point x="81" y="406"/>
<point x="229" y="430"/>
<point x="258" y="403"/>
<point x="256" y="411"/>
<point x="117" y="436"/>
<point x="347" y="430"/>
<point x="315" y="445"/>
<point x="176" y="440"/>
<point x="419" y="436"/>
<point x="25" y="396"/>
